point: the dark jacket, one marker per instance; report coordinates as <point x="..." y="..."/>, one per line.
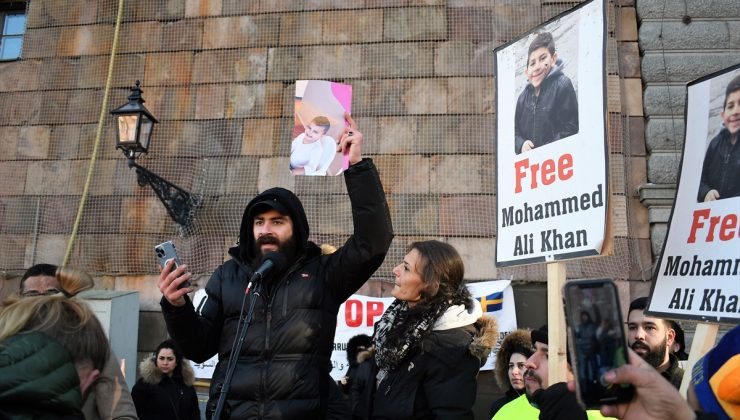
<point x="284" y="364"/>
<point x="160" y="397"/>
<point x="674" y="373"/>
<point x="38" y="379"/>
<point x="437" y="381"/>
<point x="549" y="116"/>
<point x="721" y="170"/>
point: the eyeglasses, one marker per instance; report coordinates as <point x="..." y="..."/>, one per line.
<point x="35" y="293"/>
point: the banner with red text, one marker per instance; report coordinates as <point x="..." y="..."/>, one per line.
<point x="698" y="274"/>
<point x="359" y="314"/>
<point x="551" y="147"/>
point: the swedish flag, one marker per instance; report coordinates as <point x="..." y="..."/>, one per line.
<point x="492" y="302"/>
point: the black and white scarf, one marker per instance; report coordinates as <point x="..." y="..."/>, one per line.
<point x="396" y="333"/>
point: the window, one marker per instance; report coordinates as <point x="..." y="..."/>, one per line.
<point x="12" y="28"/>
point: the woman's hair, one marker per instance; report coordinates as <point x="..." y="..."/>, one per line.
<point x="68" y="321"/>
<point x="542" y="40"/>
<point x="170" y="344"/>
<point x="442" y="271"/>
<point x="733" y="86"/>
<point x="323" y="122"/>
<point x="73" y="281"/>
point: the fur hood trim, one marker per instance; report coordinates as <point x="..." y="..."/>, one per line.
<point x="485" y="338"/>
<point x="152" y="375"/>
<point x="517" y="339"/>
<point x="367" y="354"/>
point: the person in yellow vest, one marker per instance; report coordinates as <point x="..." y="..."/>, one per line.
<point x="542" y="400"/>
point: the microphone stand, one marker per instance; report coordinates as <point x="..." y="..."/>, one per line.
<point x="241" y="334"/>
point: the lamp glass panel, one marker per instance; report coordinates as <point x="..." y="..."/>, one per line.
<point x="127" y="128"/>
<point x="146" y="131"/>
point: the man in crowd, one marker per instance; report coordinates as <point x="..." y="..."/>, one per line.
<point x="284" y="363"/>
<point x="651" y="338"/>
<point x="40" y="280"/>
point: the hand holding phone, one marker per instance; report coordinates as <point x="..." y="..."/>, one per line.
<point x="166" y="251"/>
<point x="597" y="343"/>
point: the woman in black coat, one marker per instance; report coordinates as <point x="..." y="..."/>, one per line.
<point x="165" y="390"/>
<point x="429" y="344"/>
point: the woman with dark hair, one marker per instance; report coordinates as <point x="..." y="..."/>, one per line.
<point x="510" y="367"/>
<point x="165" y="390"/>
<point x="429" y="343"/>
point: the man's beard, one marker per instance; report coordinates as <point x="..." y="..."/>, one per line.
<point x="287" y="248"/>
<point x="654" y="357"/>
<point x="532" y="374"/>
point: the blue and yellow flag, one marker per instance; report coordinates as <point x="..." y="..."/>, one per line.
<point x="492" y="302"/>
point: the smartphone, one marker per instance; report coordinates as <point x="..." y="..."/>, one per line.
<point x="166" y="251"/>
<point x="597" y="342"/>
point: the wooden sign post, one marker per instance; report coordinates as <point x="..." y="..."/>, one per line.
<point x="557" y="362"/>
<point x="704" y="337"/>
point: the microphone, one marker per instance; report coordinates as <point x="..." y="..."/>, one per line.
<point x="272" y="261"/>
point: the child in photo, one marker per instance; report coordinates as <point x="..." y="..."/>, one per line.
<point x="547" y="108"/>
<point x="312" y="151"/>
<point x="720" y="175"/>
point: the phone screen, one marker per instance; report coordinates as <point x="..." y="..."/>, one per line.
<point x="597" y="341"/>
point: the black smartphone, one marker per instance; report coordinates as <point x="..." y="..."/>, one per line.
<point x="166" y="251"/>
<point x="596" y="341"/>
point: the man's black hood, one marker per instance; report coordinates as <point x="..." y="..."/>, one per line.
<point x="285" y="199"/>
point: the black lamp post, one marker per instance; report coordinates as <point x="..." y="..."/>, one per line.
<point x="135" y="125"/>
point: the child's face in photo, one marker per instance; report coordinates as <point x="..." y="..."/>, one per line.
<point x="314" y="132"/>
<point x="731" y="113"/>
<point x="539" y="65"/>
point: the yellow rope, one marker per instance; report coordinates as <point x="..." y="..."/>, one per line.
<point x="98" y="135"/>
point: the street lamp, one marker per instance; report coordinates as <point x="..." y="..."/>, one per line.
<point x="135" y="125"/>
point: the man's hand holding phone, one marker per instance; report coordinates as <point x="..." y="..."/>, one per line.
<point x="170" y="281"/>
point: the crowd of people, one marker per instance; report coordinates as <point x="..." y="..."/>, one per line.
<point x="422" y="361"/>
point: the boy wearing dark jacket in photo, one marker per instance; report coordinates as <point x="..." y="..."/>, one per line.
<point x="283" y="367"/>
<point x="547" y="108"/>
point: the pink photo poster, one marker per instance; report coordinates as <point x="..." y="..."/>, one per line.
<point x="318" y="124"/>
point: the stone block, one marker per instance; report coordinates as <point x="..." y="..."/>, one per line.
<point x="9" y="142"/>
<point x="676" y="9"/>
<point x="470" y="95"/>
<point x="638" y="219"/>
<point x="617" y="173"/>
<point x="632" y="97"/>
<point x="241" y="31"/>
<point x="615" y="132"/>
<point x="245" y="101"/>
<point x="57" y="72"/>
<point x="627" y="30"/>
<point x="169" y="68"/>
<point x="398" y="135"/>
<point x="85" y="40"/>
<point x="50" y="106"/>
<point x="102" y="215"/>
<point x="455" y="174"/>
<point x="426" y="96"/>
<point x="414" y="214"/>
<point x="379" y="97"/>
<point x="104" y="176"/>
<point x="241" y="171"/>
<point x="325" y="222"/>
<point x="439" y="135"/>
<point x="657" y="237"/>
<point x="514" y="17"/>
<point x="664" y="134"/>
<point x="14" y="214"/>
<point x="663" y="167"/>
<point x="57" y="214"/>
<point x="636" y="130"/>
<point x="404" y="174"/>
<point x="415" y="24"/>
<point x="84" y="107"/>
<point x="467" y="23"/>
<point x="453" y="58"/>
<point x="171" y="103"/>
<point x="47" y="178"/>
<point x="210" y="101"/>
<point x="331" y="61"/>
<point x="13" y="257"/>
<point x="222" y="135"/>
<point x="142" y="215"/>
<point x="629" y="59"/>
<point x="353" y="26"/>
<point x="48" y="248"/>
<point x="36" y="42"/>
<point x="470" y="215"/>
<point x="734" y="30"/>
<point x="302" y="28"/>
<point x="660" y="66"/>
<point x="33" y="142"/>
<point x="274" y="172"/>
<point x="126" y="67"/>
<point x="20" y="75"/>
<point x="149" y="294"/>
<point x="394" y="60"/>
<point x="198" y="8"/>
<point x="226" y="66"/>
<point x="13" y="175"/>
<point x="283" y="63"/>
<point x="282" y="6"/>
<point x="673" y="35"/>
<point x="618" y="205"/>
<point x="259" y="137"/>
<point x="152" y="330"/>
<point x="277" y="97"/>
<point x="182" y="35"/>
<point x="138" y="37"/>
<point x="613" y="94"/>
<point x="92" y="72"/>
<point x="479" y="256"/>
<point x="664" y="100"/>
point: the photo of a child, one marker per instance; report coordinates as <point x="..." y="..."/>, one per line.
<point x="720" y="175"/>
<point x="547" y="108"/>
<point x="313" y="151"/>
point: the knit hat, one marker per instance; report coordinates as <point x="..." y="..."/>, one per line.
<point x="716" y="377"/>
